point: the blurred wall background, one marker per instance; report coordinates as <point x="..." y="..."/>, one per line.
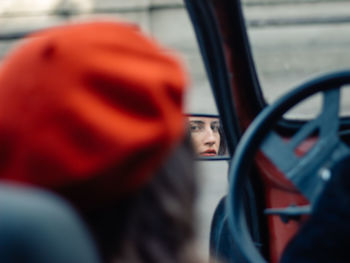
<point x="165" y="20"/>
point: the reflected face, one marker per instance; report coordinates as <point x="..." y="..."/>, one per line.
<point x="205" y="135"/>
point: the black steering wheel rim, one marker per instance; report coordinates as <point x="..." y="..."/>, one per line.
<point x="245" y="152"/>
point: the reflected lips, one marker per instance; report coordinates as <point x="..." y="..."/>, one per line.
<point x="208" y="153"/>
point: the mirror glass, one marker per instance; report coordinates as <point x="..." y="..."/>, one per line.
<point x="208" y="136"/>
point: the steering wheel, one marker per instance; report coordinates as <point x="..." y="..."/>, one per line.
<point x="309" y="173"/>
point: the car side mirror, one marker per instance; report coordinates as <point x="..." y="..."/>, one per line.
<point x="208" y="137"/>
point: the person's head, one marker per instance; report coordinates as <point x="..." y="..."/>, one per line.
<point x="205" y="133"/>
<point x="91" y="112"/>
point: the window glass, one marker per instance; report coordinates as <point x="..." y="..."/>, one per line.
<point x="293" y="41"/>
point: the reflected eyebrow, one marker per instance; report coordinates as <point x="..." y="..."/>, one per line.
<point x="215" y="122"/>
<point x="197" y="122"/>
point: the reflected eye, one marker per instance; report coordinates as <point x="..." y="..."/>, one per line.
<point x="215" y="126"/>
<point x="196" y="127"/>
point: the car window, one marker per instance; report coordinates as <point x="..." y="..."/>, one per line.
<point x="293" y="41"/>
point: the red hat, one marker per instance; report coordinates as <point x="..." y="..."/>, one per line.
<point x="89" y="109"/>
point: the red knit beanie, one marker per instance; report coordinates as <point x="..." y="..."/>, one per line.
<point x="90" y="110"/>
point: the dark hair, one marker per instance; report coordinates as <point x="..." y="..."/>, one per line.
<point x="155" y="224"/>
<point x="223" y="144"/>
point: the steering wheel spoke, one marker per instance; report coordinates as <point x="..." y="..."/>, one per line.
<point x="308" y="174"/>
<point x="284" y="159"/>
<point x="303" y="171"/>
<point x="329" y="117"/>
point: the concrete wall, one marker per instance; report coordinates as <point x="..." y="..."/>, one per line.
<point x="293" y="41"/>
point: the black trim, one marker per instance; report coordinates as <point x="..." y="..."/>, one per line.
<point x="202" y="115"/>
<point x="214" y="158"/>
<point x="241" y="45"/>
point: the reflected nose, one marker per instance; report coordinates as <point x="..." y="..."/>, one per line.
<point x="210" y="138"/>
